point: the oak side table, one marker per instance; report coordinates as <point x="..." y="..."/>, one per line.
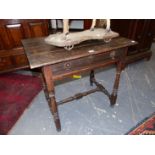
<point x="57" y="63"/>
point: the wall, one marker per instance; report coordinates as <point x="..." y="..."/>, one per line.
<point x="75" y="24"/>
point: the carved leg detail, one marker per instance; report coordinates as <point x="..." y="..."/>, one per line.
<point x="47" y="73"/>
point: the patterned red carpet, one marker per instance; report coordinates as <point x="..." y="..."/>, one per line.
<point x="146" y="127"/>
<point x="16" y="93"/>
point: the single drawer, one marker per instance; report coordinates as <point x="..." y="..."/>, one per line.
<point x="86" y="62"/>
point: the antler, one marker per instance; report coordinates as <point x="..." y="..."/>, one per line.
<point x="108" y="24"/>
<point x="93" y="24"/>
<point x="65" y="26"/>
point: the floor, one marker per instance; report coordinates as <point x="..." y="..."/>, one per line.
<point x="92" y="114"/>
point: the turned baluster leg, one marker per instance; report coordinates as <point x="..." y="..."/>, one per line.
<point x="44" y="87"/>
<point x="47" y="73"/>
<point x="113" y="96"/>
<point x="91" y="77"/>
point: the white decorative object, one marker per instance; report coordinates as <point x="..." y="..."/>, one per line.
<point x="68" y="40"/>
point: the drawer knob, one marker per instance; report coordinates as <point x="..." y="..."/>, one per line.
<point x="67" y="65"/>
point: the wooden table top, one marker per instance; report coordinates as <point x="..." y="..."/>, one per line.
<point x="40" y="53"/>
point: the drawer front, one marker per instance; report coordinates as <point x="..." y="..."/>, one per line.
<point x="5" y="63"/>
<point x="85" y="62"/>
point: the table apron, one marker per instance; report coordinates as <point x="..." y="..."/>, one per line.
<point x="60" y="70"/>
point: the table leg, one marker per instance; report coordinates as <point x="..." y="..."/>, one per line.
<point x="49" y="83"/>
<point x="91" y="77"/>
<point x="113" y="96"/>
<point x="44" y="87"/>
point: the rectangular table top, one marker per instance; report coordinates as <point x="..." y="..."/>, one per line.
<point x="39" y="53"/>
